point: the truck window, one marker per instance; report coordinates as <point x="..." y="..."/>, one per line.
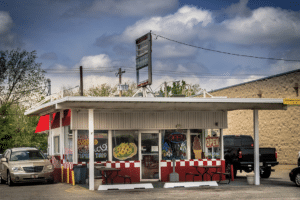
<point x="228" y="141"/>
<point x="232" y="141"/>
<point x="238" y="142"/>
<point x="247" y="141"/>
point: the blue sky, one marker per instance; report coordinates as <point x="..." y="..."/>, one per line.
<point x="100" y="35"/>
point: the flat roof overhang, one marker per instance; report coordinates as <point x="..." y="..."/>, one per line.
<point x="132" y="104"/>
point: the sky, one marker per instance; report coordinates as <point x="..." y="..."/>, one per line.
<point x="100" y="36"/>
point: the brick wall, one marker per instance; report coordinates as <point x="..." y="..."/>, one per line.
<point x="279" y="129"/>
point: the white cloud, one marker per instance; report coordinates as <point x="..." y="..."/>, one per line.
<point x="96" y="61"/>
<point x="265" y="26"/>
<point x="123" y="8"/>
<point x="179" y="25"/>
<point x="8" y="39"/>
<point x="5" y="22"/>
<point x="175" y="51"/>
<point x="132" y="7"/>
<point x="281" y="67"/>
<point x="59" y="67"/>
<point x="182" y="25"/>
<point x="239" y="9"/>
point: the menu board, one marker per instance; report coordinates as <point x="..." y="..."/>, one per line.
<point x="100" y="146"/>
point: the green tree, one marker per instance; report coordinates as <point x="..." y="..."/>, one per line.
<point x="105" y="90"/>
<point x="6" y="128"/>
<point x="181" y="88"/>
<point x="18" y="130"/>
<point x="21" y="77"/>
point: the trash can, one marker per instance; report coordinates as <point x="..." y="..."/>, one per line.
<point x="250" y="179"/>
<point x="80" y="174"/>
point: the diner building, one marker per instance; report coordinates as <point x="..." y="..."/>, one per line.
<point x="141" y="136"/>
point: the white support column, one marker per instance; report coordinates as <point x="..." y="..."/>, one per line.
<point x="222" y="144"/>
<point x="256" y="147"/>
<point x="188" y="146"/>
<point x="109" y="145"/>
<point x="91" y="149"/>
<point x="159" y="155"/>
<point x="51" y="137"/>
<point x="204" y="143"/>
<point x="61" y="146"/>
<point x="75" y="153"/>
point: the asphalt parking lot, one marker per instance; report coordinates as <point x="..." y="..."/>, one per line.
<point x="278" y="186"/>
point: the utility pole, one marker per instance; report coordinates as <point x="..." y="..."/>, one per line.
<point x="120" y="80"/>
<point x="81" y="82"/>
<point x="166" y="92"/>
<point x="49" y="87"/>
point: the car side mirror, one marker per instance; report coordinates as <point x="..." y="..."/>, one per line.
<point x="3" y="159"/>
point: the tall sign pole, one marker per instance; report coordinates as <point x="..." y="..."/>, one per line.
<point x="143" y="60"/>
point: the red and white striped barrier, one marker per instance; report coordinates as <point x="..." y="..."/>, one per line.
<point x="183" y="166"/>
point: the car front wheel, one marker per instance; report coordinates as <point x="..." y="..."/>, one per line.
<point x="1" y="180"/>
<point x="297" y="179"/>
<point x="9" y="182"/>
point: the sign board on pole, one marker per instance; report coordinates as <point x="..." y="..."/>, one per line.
<point x="292" y="102"/>
<point x="143" y="60"/>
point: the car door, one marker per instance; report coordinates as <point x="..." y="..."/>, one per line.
<point x="1" y="164"/>
<point x="5" y="165"/>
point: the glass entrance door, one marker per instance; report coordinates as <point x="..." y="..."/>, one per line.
<point x="149" y="156"/>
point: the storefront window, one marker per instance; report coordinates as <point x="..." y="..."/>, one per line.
<point x="197" y="144"/>
<point x="174" y="144"/>
<point x="56" y="144"/>
<point x="68" y="144"/>
<point x="125" y="145"/>
<point x="212" y="142"/>
<point x="100" y="145"/>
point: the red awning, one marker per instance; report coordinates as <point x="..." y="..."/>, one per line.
<point x="43" y="124"/>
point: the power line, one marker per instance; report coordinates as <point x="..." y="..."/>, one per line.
<point x="223" y="52"/>
<point x="132" y="70"/>
<point x="181" y="73"/>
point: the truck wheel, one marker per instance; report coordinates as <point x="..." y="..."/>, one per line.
<point x="297" y="179"/>
<point x="265" y="173"/>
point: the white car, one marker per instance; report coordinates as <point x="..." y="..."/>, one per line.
<point x="25" y="164"/>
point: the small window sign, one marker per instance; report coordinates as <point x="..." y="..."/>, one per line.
<point x="212" y="142"/>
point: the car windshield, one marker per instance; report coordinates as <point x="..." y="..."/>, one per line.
<point x="26" y="155"/>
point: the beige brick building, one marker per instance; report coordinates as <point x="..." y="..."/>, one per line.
<point x="279" y="129"/>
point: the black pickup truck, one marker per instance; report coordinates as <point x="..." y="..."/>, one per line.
<point x="239" y="152"/>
